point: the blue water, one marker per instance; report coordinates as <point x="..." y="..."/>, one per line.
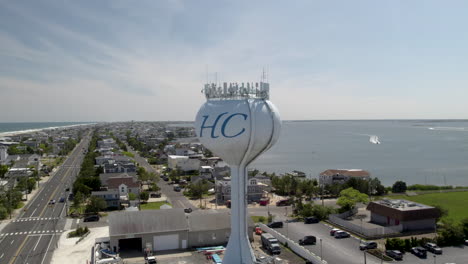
<point x="10" y="127"/>
<point x="425" y="152"/>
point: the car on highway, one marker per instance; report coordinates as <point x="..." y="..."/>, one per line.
<point x="284" y="202"/>
<point x="308" y="240"/>
<point x="419" y="252"/>
<point x="275" y="224"/>
<point x="311" y="220"/>
<point x="394" y="254"/>
<point x="70" y="196"/>
<point x="51" y="202"/>
<point x="432" y="247"/>
<point x="332" y="232"/>
<point x="62" y="200"/>
<point x="367" y="245"/>
<point x="91" y="218"/>
<point x="341" y="234"/>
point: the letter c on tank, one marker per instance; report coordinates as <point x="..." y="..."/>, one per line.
<point x="223" y="127"/>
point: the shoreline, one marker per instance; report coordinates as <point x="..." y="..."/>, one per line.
<point x="35" y="130"/>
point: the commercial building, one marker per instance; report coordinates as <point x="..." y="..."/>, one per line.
<point x="404" y="215"/>
<point x="341" y="176"/>
<point x="170" y="229"/>
<point x="183" y="163"/>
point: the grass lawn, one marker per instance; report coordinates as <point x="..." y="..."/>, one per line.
<point x="454" y="202"/>
<point x="257" y="219"/>
<point x="152" y="206"/>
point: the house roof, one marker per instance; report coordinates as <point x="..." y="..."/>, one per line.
<point x="149" y="221"/>
<point x="115" y="182"/>
<point x="408" y="212"/>
<point x="104" y="177"/>
<point x="350" y="173"/>
<point x="202" y="220"/>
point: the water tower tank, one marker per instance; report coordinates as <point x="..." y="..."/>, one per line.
<point x="238" y="125"/>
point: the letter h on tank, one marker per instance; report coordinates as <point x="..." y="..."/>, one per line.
<point x="223" y="126"/>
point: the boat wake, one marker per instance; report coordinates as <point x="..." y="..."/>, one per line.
<point x="461" y="129"/>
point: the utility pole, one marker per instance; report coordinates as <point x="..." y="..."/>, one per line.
<point x="365" y="260"/>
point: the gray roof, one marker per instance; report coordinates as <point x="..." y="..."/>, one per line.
<point x="202" y="220"/>
<point x="150" y="221"/>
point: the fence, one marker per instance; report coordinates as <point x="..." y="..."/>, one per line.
<point x="377" y="232"/>
<point x="298" y="249"/>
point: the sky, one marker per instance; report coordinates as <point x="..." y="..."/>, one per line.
<point x="148" y="60"/>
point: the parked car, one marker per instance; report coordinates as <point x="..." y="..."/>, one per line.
<point x="228" y="203"/>
<point x="91" y="218"/>
<point x="367" y="245"/>
<point x="433" y="248"/>
<point x="62" y="200"/>
<point x="466" y="242"/>
<point x="308" y="240"/>
<point x="284" y="202"/>
<point x="188" y="210"/>
<point x="155" y="195"/>
<point x="419" y="252"/>
<point x="177" y="188"/>
<point x="258" y="231"/>
<point x="270" y="243"/>
<point x="51" y="202"/>
<point x="67" y="189"/>
<point x="332" y="232"/>
<point x="151" y="260"/>
<point x="276" y="224"/>
<point x="264" y="201"/>
<point x="165" y="178"/>
<point x="311" y="220"/>
<point x="341" y="234"/>
<point x="394" y="254"/>
<point x="70" y="196"/>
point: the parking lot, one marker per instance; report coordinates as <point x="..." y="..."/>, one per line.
<point x="346" y="250"/>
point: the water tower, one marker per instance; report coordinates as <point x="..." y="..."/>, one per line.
<point x="238" y="123"/>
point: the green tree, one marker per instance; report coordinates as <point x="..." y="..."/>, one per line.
<point x="95" y="205"/>
<point x="399" y="187"/>
<point x="443" y="212"/>
<point x="144" y="196"/>
<point x="77" y="201"/>
<point x="3" y="170"/>
<point x="451" y="233"/>
<point x="31" y="185"/>
<point x="155" y="188"/>
<point x="349" y="197"/>
<point x="196" y="190"/>
<point x="3" y="212"/>
<point x="132" y="196"/>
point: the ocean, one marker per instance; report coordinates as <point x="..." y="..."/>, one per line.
<point x="415" y="151"/>
<point x="17" y="127"/>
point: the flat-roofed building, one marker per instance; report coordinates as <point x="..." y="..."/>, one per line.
<point x="403" y="214"/>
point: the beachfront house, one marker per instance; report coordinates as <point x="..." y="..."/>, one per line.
<point x="341" y="176"/>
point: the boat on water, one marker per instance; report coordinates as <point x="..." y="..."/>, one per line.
<point x="374" y="139"/>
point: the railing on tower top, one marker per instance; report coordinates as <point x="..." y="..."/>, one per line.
<point x="237" y="91"/>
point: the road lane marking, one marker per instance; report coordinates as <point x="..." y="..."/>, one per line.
<point x="47" y="250"/>
<point x="37" y="243"/>
<point x="18" y="251"/>
<point x="12" y="242"/>
<point x="2" y="255"/>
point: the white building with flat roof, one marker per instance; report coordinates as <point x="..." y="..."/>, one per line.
<point x="184" y="163"/>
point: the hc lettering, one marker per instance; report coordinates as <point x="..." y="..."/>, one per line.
<point x="223" y="126"/>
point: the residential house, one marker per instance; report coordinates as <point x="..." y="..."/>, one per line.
<point x="329" y="177"/>
<point x="183" y="163"/>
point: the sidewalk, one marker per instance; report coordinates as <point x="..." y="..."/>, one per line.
<point x="15" y="213"/>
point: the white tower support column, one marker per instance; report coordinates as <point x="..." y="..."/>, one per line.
<point x="239" y="250"/>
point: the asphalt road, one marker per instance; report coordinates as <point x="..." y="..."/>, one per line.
<point x="33" y="235"/>
<point x="177" y="199"/>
